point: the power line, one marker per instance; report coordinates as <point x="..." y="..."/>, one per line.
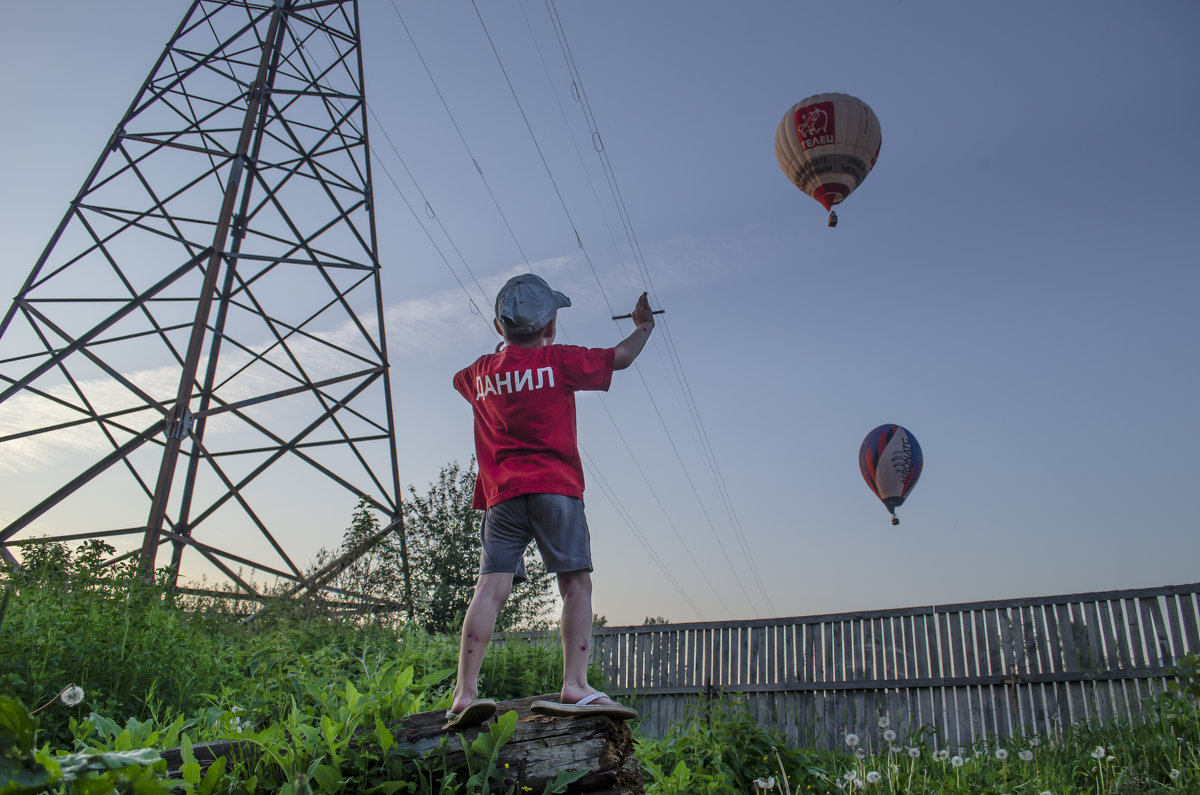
<point x="640" y="260"/>
<point x="628" y="520"/>
<point x="591" y="266"/>
<point x="542" y="155"/>
<point x="461" y="137"/>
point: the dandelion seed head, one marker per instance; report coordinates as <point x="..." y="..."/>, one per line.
<point x="873" y="777"/>
<point x="71" y="695"/>
<point x="894" y="749"/>
<point x="1034" y="742"/>
<point x="1098" y="752"/>
<point x="956" y="761"/>
<point x="765" y="783"/>
<point x="914" y="752"/>
<point x="1001" y="754"/>
<point x="1174" y="774"/>
<point x="1025" y="755"/>
<point x="884" y="721"/>
<point x="852" y="740"/>
<point x="942" y="755"/>
<point x="860" y="753"/>
<point x="851" y="775"/>
<point x="889" y="735"/>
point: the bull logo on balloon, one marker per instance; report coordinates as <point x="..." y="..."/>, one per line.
<point x="812" y="124"/>
<point x="890" y="461"/>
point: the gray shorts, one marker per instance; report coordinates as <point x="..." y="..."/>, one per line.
<point x="555" y="521"/>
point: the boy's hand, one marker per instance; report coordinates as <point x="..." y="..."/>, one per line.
<point x="628" y="349"/>
<point x="642" y="314"/>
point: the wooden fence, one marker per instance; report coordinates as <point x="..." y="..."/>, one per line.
<point x="966" y="670"/>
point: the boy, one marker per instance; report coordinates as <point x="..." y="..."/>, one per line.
<point x="530" y="484"/>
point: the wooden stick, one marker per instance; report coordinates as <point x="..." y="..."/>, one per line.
<point x="625" y="317"/>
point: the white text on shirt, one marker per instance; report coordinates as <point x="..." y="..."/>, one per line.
<point x="512" y="381"/>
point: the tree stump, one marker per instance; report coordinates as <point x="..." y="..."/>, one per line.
<point x="540" y="748"/>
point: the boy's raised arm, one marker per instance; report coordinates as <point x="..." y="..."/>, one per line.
<point x="628" y="349"/>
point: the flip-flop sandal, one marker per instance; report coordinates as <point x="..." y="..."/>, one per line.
<point x="472" y="714"/>
<point x="584" y="707"/>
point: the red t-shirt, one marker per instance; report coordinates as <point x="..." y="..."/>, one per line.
<point x="524" y="406"/>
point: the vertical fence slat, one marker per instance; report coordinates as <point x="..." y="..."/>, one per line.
<point x="1187" y="603"/>
<point x="1175" y="624"/>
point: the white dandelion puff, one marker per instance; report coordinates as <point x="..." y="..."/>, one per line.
<point x="942" y="755"/>
<point x="1025" y="755"/>
<point x="894" y="749"/>
<point x="1174" y="774"/>
<point x="1001" y="754"/>
<point x="765" y="783"/>
<point x="883" y="721"/>
<point x="1034" y="742"/>
<point x="72" y="695"/>
<point x="860" y="753"/>
<point x="851" y="775"/>
<point x="852" y="740"/>
<point x="889" y="735"/>
<point x="1098" y="752"/>
<point x="914" y="752"/>
<point x="873" y="777"/>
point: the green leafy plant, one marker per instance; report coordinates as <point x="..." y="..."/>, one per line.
<point x="25" y="769"/>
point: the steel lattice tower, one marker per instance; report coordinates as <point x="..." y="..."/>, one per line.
<point x="203" y="335"/>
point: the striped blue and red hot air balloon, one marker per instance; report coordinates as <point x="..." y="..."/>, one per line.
<point x="890" y="461"/>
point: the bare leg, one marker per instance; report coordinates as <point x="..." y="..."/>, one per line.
<point x="491" y="592"/>
<point x="576" y="590"/>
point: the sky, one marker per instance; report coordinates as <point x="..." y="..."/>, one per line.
<point x="1015" y="282"/>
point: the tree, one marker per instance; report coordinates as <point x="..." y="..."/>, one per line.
<point x="378" y="572"/>
<point x="443" y="536"/>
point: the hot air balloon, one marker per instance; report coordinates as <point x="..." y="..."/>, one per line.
<point x="826" y="145"/>
<point x="890" y="460"/>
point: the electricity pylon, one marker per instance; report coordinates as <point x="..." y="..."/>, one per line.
<point x="198" y="359"/>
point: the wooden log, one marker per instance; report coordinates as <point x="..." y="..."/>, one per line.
<point x="540" y="748"/>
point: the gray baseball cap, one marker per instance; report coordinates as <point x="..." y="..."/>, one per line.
<point x="526" y="303"/>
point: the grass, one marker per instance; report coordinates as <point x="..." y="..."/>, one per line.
<point x="722" y="750"/>
<point x="98" y="671"/>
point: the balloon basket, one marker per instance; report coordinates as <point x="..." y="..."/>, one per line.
<point x="832" y="219"/>
<point x="895" y="520"/>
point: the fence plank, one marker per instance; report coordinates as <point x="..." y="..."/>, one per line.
<point x="1175" y="623"/>
<point x="1103" y="696"/>
<point x="1158" y="640"/>
<point x="1188" y="604"/>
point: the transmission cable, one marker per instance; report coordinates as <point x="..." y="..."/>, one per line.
<point x="577" y="84"/>
<point x="461" y="137"/>
<point x="586" y="256"/>
<point x="626" y="518"/>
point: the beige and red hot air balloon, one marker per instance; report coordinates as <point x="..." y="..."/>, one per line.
<point x="826" y="145"/>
